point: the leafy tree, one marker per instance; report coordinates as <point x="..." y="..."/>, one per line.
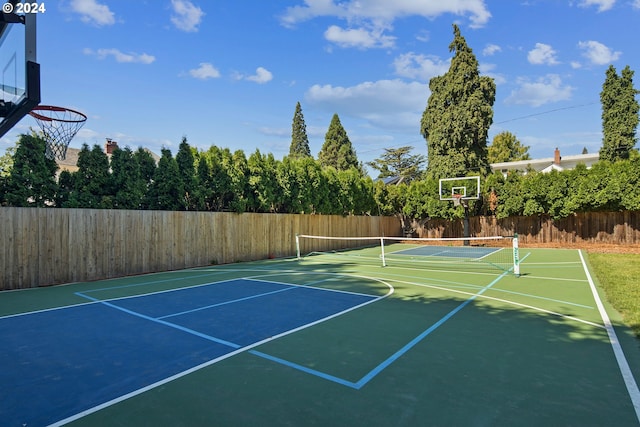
<point x="166" y="190"/>
<point x="391" y="200"/>
<point x="458" y="115"/>
<point x="186" y="174"/>
<point x="147" y="167"/>
<point x="288" y="183"/>
<point x="92" y="181"/>
<point x="64" y="195"/>
<point x="204" y="185"/>
<point x="619" y="114"/>
<point x="219" y="161"/>
<point x="6" y="160"/>
<point x="146" y="163"/>
<point x="313" y="193"/>
<point x="506" y="148"/>
<point x="299" y="140"/>
<point x="128" y="184"/>
<point x="31" y="181"/>
<point x="263" y="181"/>
<point x="237" y="170"/>
<point x="399" y="162"/>
<point x="337" y="150"/>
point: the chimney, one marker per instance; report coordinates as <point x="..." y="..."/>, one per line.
<point x="110" y="146"/>
<point x="556" y="157"/>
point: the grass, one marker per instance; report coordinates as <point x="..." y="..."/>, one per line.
<point x="619" y="276"/>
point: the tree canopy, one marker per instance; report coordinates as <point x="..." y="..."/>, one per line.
<point x="506" y="148"/>
<point x="31" y="180"/>
<point x="458" y="115"/>
<point x="399" y="162"/>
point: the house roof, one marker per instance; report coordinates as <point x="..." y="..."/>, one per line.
<point x="592" y="157"/>
<point x="547" y="164"/>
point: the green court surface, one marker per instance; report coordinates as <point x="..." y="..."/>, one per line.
<point x="431" y="345"/>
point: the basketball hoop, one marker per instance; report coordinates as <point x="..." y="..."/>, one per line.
<point x="457" y="199"/>
<point x="59" y="125"/>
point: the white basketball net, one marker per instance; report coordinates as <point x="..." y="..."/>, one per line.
<point x="59" y="126"/>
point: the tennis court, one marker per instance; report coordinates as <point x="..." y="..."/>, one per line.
<point x="329" y="339"/>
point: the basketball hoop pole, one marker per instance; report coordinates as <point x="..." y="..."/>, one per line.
<point x="457" y="201"/>
<point x="465" y="222"/>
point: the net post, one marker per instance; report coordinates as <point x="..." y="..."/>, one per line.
<point x="297" y="246"/>
<point x="516" y="256"/>
<point x="384" y="261"/>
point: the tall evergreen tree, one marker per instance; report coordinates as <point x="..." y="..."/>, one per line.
<point x="167" y="189"/>
<point x="458" y="115"/>
<point x="299" y="140"/>
<point x="337" y="150"/>
<point x="147" y="167"/>
<point x="31" y="181"/>
<point x="128" y="184"/>
<point x="619" y="114"/>
<point x="204" y="185"/>
<point x="186" y="174"/>
<point x="507" y="148"/>
<point x="92" y="181"/>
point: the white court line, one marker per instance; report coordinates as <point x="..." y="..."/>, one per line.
<point x="625" y="370"/>
<point x="517" y="304"/>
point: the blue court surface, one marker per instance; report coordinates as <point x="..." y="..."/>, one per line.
<point x="68" y="360"/>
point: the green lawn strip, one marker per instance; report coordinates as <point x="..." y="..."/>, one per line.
<point x="619" y="277"/>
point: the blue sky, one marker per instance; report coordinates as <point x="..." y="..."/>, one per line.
<point x="229" y="73"/>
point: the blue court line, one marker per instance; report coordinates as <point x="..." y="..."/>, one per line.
<point x="290" y="288"/>
<point x="162" y="322"/>
<point x="382" y="366"/>
<point x="305" y="369"/>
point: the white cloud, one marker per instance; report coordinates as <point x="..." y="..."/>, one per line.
<point x="140" y="58"/>
<point x="186" y="16"/>
<point x="386" y="11"/>
<point x="603" y="5"/>
<point x="383" y="103"/>
<point x="487" y="69"/>
<point x="636" y="4"/>
<point x="359" y="37"/>
<point x="93" y="12"/>
<point x="205" y="71"/>
<point x="261" y="76"/>
<point x="542" y="54"/>
<point x="418" y="66"/>
<point x="545" y="90"/>
<point x="491" y="49"/>
<point x="598" y="53"/>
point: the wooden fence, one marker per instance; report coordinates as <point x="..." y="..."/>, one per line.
<point x="616" y="228"/>
<point x="40" y="247"/>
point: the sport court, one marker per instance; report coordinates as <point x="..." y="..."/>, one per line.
<point x="330" y="339"/>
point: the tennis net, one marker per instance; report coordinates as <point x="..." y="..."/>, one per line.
<point x="495" y="252"/>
